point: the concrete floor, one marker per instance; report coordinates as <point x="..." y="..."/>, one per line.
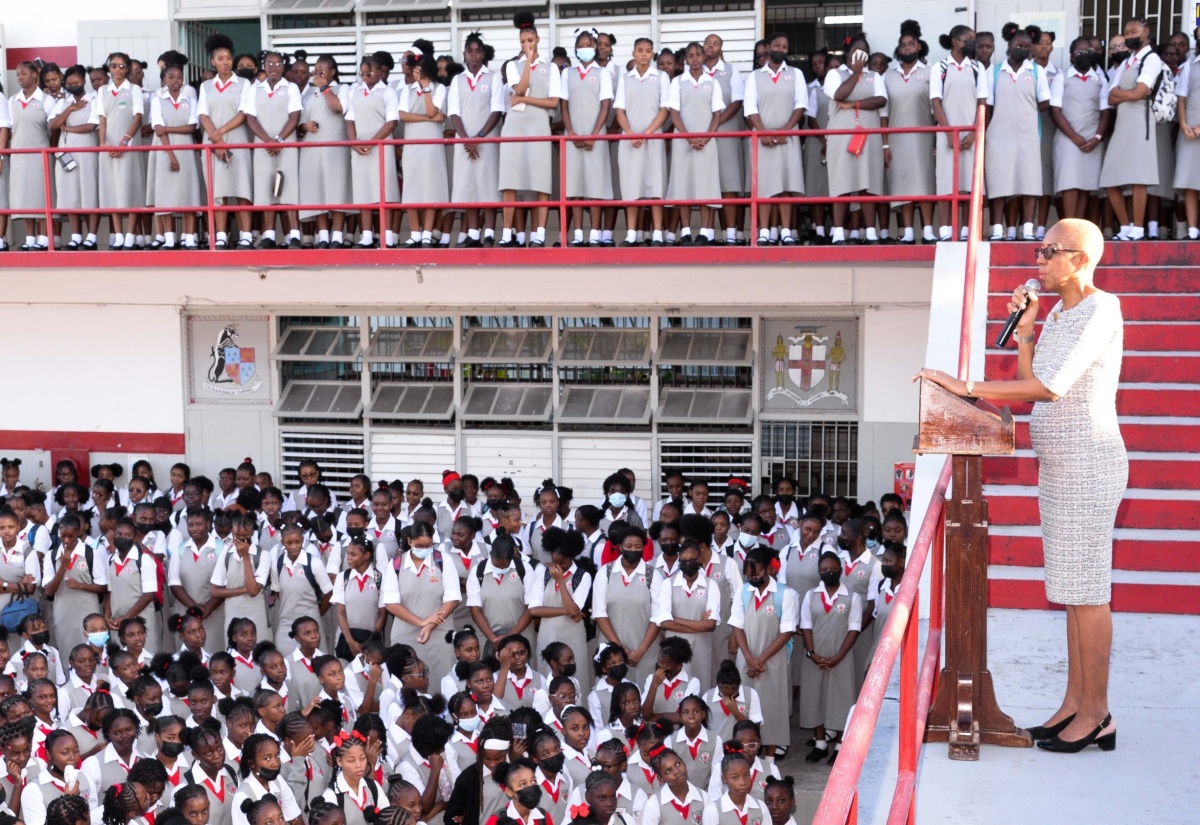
<point x="1154" y="773"/>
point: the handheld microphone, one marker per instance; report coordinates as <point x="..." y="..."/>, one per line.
<point x="1031" y="286"/>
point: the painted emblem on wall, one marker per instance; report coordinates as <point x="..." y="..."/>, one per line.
<point x="232" y="367"/>
<point x="227" y="359"/>
<point x="812" y="365"/>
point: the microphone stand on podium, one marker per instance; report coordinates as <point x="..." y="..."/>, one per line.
<point x="965" y="713"/>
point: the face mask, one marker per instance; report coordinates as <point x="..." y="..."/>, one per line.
<point x="756" y="581"/>
<point x="422" y="552"/>
<point x="74" y="90"/>
<point x="586" y="55"/>
<point x="356" y="532"/>
<point x="888" y="570"/>
<point x="906" y="59"/>
<point x="123" y="544"/>
<point x="554" y="764"/>
<point x="618" y="672"/>
<point x="42" y="638"/>
<point x="456" y="496"/>
<point x="469" y="724"/>
<point x="1133" y="43"/>
<point x="670" y="550"/>
<point x="689" y="568"/>
<point x="569" y="670"/>
<point x="631" y="557"/>
<point x="833" y="578"/>
<point x="845" y="543"/>
<point x="98" y="639"/>
<point x="248" y="74"/>
<point x="529" y="797"/>
<point x="777" y="56"/>
<point x="968" y="48"/>
<point x="1019" y="54"/>
<point x="872" y="544"/>
<point x="617" y="500"/>
<point x="785" y="501"/>
<point x="152" y="710"/>
<point x="268" y="774"/>
<point x="493" y="505"/>
<point x="1082" y="63"/>
<point x="748" y="541"/>
<point x="1119" y="57"/>
<point x="171" y="749"/>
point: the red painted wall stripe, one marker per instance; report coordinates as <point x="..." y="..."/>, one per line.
<point x="159" y="443"/>
<point x="64" y="56"/>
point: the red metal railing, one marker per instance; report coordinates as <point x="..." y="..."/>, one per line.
<point x="839" y="804"/>
<point x="561" y="204"/>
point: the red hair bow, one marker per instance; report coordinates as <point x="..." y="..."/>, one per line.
<point x="733" y="747"/>
<point x="774" y="565"/>
<point x="657" y="752"/>
<point x="580" y="811"/>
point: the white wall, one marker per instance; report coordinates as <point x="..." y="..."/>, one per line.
<point x="108" y="368"/>
<point x="882" y="19"/>
<point x="894" y="349"/>
<point x="31" y="24"/>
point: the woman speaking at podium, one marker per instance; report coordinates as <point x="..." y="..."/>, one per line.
<point x="1071" y="374"/>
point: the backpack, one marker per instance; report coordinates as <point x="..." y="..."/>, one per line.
<point x="1162" y="101"/>
<point x="372" y="789"/>
<point x="518" y="563"/>
<point x="160" y="573"/>
<point x="374" y="570"/>
<point x="944" y="66"/>
<point x="308" y="573"/>
<point x="748" y="591"/>
<point x="89" y="554"/>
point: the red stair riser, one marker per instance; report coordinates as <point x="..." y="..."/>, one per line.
<point x="1136" y="513"/>
<point x="1127" y="280"/>
<point x="1143" y="475"/>
<point x="1126" y="598"/>
<point x="1135" y="369"/>
<point x="1020" y="255"/>
<point x="1138" y="337"/>
<point x="1133" y="307"/>
<point x="1142" y="402"/>
<point x="1128" y="554"/>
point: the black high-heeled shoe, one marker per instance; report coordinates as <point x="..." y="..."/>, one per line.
<point x="1108" y="742"/>
<point x="1043" y="732"/>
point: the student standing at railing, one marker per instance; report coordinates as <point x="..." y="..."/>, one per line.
<point x="816" y="176"/>
<point x="956" y="85"/>
<point x="731" y="152"/>
<point x="78" y="189"/>
<point x="534" y="87"/>
<point x="372" y="115"/>
<point x="176" y="176"/>
<point x="118" y="112"/>
<point x="31" y="110"/>
<point x="272" y="109"/>
<point x="856" y="95"/>
<point x="909" y="156"/>
<point x="696" y="105"/>
<point x="424" y="165"/>
<point x="325" y="170"/>
<point x="1187" y="150"/>
<point x="587" y="92"/>
<point x="475" y="106"/>
<point x="641" y="106"/>
<point x="221" y="118"/>
<point x="1079" y="107"/>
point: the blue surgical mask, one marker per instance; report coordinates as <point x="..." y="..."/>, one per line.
<point x="617" y="500"/>
<point x="748" y="541"/>
<point x="422" y="552"/>
<point x="98" y="639"/>
<point x="469" y="724"/>
<point x="586" y="55"/>
<point x="872" y="544"/>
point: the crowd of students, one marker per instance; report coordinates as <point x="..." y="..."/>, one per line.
<point x="597" y="88"/>
<point x="235" y="654"/>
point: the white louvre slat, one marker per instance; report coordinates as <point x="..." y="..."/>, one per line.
<point x="587" y="460"/>
<point x="396" y="40"/>
<point x="738" y="31"/>
<point x="339" y="453"/>
<point x="527" y="459"/>
<point x="709" y="460"/>
<point x="409" y="454"/>
<point x="341" y="43"/>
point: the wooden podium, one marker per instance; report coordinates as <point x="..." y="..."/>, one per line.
<point x="964" y="712"/>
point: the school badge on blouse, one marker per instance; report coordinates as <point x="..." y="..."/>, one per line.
<point x="700" y="591"/>
<point x="841" y="608"/>
<point x="705" y="757"/>
<point x="679" y="694"/>
<point x="212" y="557"/>
<point x="512" y="576"/>
<point x="861" y="573"/>
<point x="770" y="610"/>
<point x="697" y="816"/>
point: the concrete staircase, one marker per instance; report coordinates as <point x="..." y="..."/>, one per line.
<point x="1157" y="543"/>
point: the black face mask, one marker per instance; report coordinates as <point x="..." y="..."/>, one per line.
<point x="631" y="557"/>
<point x="42" y="638"/>
<point x="569" y="670"/>
<point x="906" y="59"/>
<point x="618" y="672"/>
<point x="74" y="90"/>
<point x="152" y="710"/>
<point x="356" y="532"/>
<point x="145" y="527"/>
<point x="248" y="74"/>
<point x="456" y="496"/>
<point x="1119" y="57"/>
<point x="553" y="764"/>
<point x="123" y="544"/>
<point x="777" y="56"/>
<point x="845" y="543"/>
<point x="268" y="774"/>
<point x="670" y="549"/>
<point x="689" y="568"/>
<point x="1082" y="62"/>
<point x="888" y="570"/>
<point x="171" y="749"/>
<point x="968" y="48"/>
<point x="1019" y="54"/>
<point x="756" y="581"/>
<point x="163" y="526"/>
<point x="494" y="505"/>
<point x="784" y="501"/>
<point x="528" y="797"/>
<point x="832" y="578"/>
<point x="1133" y="43"/>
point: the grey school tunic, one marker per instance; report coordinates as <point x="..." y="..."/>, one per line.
<point x="194" y="567"/>
<point x="761" y="624"/>
<point x="503" y="602"/>
<point x="295" y="597"/>
<point x="476" y="180"/>
<point x="1131" y="136"/>
<point x="122" y="179"/>
<point x="1047" y="132"/>
<point x="692" y="608"/>
<point x="826" y="695"/>
<point x="1164" y="135"/>
<point x="563" y="628"/>
<point x="701" y="757"/>
<point x="883" y="598"/>
<point x="1187" y="152"/>
<point x="271" y="109"/>
<point x="731" y="152"/>
<point x="628" y="606"/>
<point x="30" y="130"/>
<point x="858" y="580"/>
<point x="816" y="175"/>
<point x="253" y="608"/>
<point x="370" y="107"/>
<point x="1081" y="107"/>
<point x="911" y="172"/>
<point x="959" y="104"/>
<point x="324" y="175"/>
<point x="719" y="638"/>
<point x="526" y="165"/>
<point x="780" y="168"/>
<point x="223" y="102"/>
<point x="79" y="188"/>
<point x="308" y="777"/>
<point x="125" y="585"/>
<point x="589" y="172"/>
<point x="220" y="792"/>
<point x="802" y="574"/>
<point x="848" y="173"/>
<point x="182" y="188"/>
<point x="643" y="170"/>
<point x="423" y="164"/>
<point x="422" y="593"/>
<point x="696" y="174"/>
<point x="70" y="606"/>
<point x="1010" y="168"/>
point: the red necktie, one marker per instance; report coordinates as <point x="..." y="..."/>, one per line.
<point x="308" y="769"/>
<point x="759" y="600"/>
<point x="887" y="598"/>
<point x="521" y="688"/>
<point x="307" y="664"/>
<point x="219" y="793"/>
<point x="362" y="582"/>
<point x="828" y="605"/>
<point x="554" y="791"/>
<point x="742" y="817"/>
<point x="683" y="809"/>
<point x="649" y="773"/>
<point x="694" y="748"/>
<point x="220" y="88"/>
<point x="120" y="565"/>
<point x="668" y="687"/>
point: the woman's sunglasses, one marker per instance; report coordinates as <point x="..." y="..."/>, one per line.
<point x="1048" y="252"/>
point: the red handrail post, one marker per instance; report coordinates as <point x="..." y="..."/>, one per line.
<point x="909" y="746"/>
<point x="753" y="191"/>
<point x="49" y="200"/>
<point x="955" y="193"/>
<point x="382" y="233"/>
<point x="562" y="189"/>
<point x="936" y="572"/>
<point x="209" y="211"/>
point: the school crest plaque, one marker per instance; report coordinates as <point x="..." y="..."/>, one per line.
<point x="227" y="359"/>
<point x="809" y="365"/>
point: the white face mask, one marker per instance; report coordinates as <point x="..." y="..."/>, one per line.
<point x="469" y="724"/>
<point x="748" y="541"/>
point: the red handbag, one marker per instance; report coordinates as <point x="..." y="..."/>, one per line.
<point x="857" y="142"/>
